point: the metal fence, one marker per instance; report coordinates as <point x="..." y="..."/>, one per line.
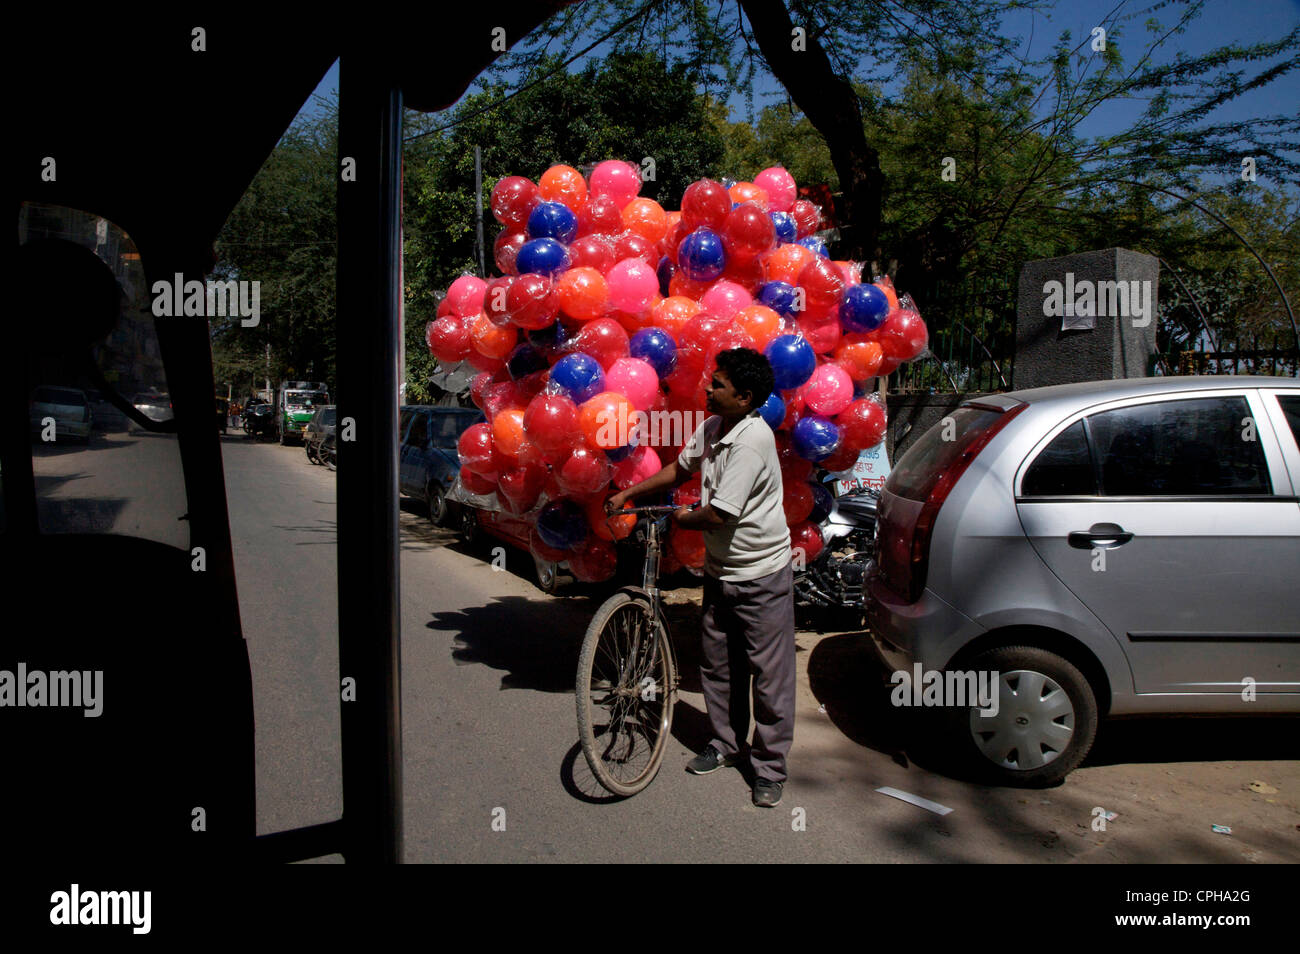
<point x="1252" y="355"/>
<point x="972" y="338"/>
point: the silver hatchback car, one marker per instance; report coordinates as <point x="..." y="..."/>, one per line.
<point x="1105" y="548"/>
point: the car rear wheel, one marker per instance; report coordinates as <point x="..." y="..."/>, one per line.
<point x="1045" y="723"/>
<point x="439" y="508"/>
<point x="548" y="575"/>
<point x="468" y="525"/>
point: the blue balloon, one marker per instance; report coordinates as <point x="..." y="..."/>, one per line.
<point x="579" y="376"/>
<point x="815" y="438"/>
<point x="655" y="346"/>
<point x="544" y="256"/>
<point x="780" y="297"/>
<point x="792" y="359"/>
<point x="524" y="360"/>
<point x="665" y="271"/>
<point x="823" y="500"/>
<point x="701" y="255"/>
<point x="816" y="246"/>
<point x="786" y="227"/>
<point x="562" y="524"/>
<point x="864" y="308"/>
<point x="773" y="410"/>
<point x="552" y="220"/>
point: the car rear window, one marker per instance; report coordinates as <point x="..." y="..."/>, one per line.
<point x="917" y="472"/>
<point x="59" y="396"/>
<point x="1063" y="469"/>
<point x="1291" y="410"/>
<point x="1191" y="447"/>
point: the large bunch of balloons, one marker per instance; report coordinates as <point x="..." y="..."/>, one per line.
<point x="611" y="308"/>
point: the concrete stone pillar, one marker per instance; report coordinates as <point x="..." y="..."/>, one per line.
<point x="1086" y="317"/>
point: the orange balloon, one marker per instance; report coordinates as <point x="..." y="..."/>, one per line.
<point x="491" y="340"/>
<point x="743" y="192"/>
<point x="786" y="262"/>
<point x="606" y="420"/>
<point x="508" y="431"/>
<point x="583" y="293"/>
<point x="646" y="218"/>
<point x="687" y="546"/>
<point x="859" y="356"/>
<point x="760" y="323"/>
<point x="886" y="285"/>
<point x="680" y="285"/>
<point x="671" y="314"/>
<point x="614" y="527"/>
<point x="563" y="184"/>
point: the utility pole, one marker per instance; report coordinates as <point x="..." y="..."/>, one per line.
<point x="478" y="211"/>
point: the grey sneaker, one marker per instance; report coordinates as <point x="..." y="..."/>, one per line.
<point x="709" y="761"/>
<point x="767" y="794"/>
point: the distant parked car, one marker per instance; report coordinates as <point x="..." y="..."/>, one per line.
<point x="319" y="433"/>
<point x="69" y="407"/>
<point x="428" y="463"/>
<point x="1113" y="548"/>
<point x="153" y="405"/>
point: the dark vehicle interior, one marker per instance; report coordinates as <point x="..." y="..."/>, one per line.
<point x="166" y="770"/>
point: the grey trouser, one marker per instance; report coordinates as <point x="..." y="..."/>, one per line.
<point x="750" y="626"/>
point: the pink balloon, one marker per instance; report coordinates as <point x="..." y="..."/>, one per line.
<point x="780" y="186"/>
<point x="829" y="390"/>
<point x="726" y="298"/>
<point x="636" y="380"/>
<point x="642" y="464"/>
<point x="633" y="284"/>
<point x="466" y="296"/>
<point x="622" y="180"/>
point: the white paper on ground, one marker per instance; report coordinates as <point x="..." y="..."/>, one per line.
<point x="916" y="800"/>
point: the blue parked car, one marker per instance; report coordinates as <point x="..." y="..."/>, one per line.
<point x="428" y="463"/>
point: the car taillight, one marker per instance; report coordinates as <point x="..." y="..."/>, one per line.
<point x="905" y="523"/>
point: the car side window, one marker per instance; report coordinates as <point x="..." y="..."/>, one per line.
<point x="404" y="424"/>
<point x="1193" y="447"/>
<point x="1291" y="410"/>
<point x="1064" y="468"/>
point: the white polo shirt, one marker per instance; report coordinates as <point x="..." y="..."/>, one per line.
<point x="740" y="476"/>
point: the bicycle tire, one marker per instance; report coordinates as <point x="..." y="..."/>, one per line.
<point x="622" y="611"/>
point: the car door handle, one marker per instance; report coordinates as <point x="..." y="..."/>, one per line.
<point x="1103" y="535"/>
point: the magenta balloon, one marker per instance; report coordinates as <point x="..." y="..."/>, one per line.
<point x="726" y="298"/>
<point x="616" y="178"/>
<point x="829" y="391"/>
<point x="636" y="380"/>
<point x="781" y="188"/>
<point x="466" y="296"/>
<point x="642" y="464"/>
<point x="632" y="285"/>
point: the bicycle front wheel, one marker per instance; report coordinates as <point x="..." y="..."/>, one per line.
<point x="625" y="694"/>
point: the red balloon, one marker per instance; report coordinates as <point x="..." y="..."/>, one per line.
<point x="687" y="492"/>
<point x="585" y="471"/>
<point x="602" y="215"/>
<point x="679" y="286"/>
<point x="506" y="249"/>
<point x="862" y="423"/>
<point x="521" y="486"/>
<point x="726" y="339"/>
<point x="495" y="301"/>
<point x="538" y="548"/>
<point x="705" y="204"/>
<point x="594" y="561"/>
<point x="748" y="232"/>
<point x="807" y="217"/>
<point x="795" y="407"/>
<point x="859" y="356"/>
<point x="747" y="273"/>
<point x="697" y="333"/>
<point x="609" y="526"/>
<point x="807" y="536"/>
<point x="490" y="340"/>
<point x="903" y="336"/>
<point x="477" y="451"/>
<point x="592" y="251"/>
<point x="477" y="483"/>
<point x="796" y="500"/>
<point x="551" y="423"/>
<point x="843" y="458"/>
<point x="532" y="302"/>
<point x="502" y="396"/>
<point x="798" y="467"/>
<point x="687" y="546"/>
<point x="448" y="339"/>
<point x="823" y="333"/>
<point x="512" y="199"/>
<point x="822" y="283"/>
<point x="481" y="362"/>
<point x="637" y="466"/>
<point x="603" y="339"/>
<point x="478" y="386"/>
<point x="633" y="245"/>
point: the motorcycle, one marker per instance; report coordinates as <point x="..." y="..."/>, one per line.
<point x="834" y="581"/>
<point x="259" y="420"/>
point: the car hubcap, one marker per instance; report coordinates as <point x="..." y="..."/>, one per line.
<point x="1034" y="722"/>
<point x="545" y="574"/>
<point x="437" y="506"/>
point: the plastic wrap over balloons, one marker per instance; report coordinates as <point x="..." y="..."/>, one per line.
<point x="726" y="298"/>
<point x="466" y="296"/>
<point x="532" y="302"/>
<point x="606" y="420"/>
<point x="815" y="245"/>
<point x="656" y="347"/>
<point x="538" y="548"/>
<point x="701" y="255"/>
<point x="792" y="359"/>
<point x="562" y="524"/>
<point x="646" y="218"/>
<point x="687" y="546"/>
<point x="808" y="217"/>
<point x="863" y="423"/>
<point x="864" y="308"/>
<point x="609" y="526"/>
<point x="665" y="272"/>
<point x="521" y="486"/>
<point x="478" y="483"/>
<point x="579" y="376"/>
<point x="604" y="339"/>
<point x="815" y="438"/>
<point x="903" y="336"/>
<point x="491" y="340"/>
<point x="542" y="256"/>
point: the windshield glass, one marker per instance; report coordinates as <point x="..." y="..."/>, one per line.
<point x="305" y="398"/>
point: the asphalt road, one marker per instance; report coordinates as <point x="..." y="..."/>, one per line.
<point x="489" y="731"/>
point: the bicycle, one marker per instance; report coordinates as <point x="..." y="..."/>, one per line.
<point x="627" y="670"/>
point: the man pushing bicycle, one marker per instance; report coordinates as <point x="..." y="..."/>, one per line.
<point x="748" y="606"/>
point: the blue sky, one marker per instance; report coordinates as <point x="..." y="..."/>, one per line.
<point x="1223" y="22"/>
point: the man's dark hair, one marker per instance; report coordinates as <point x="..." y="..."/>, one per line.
<point x="747" y="370"/>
